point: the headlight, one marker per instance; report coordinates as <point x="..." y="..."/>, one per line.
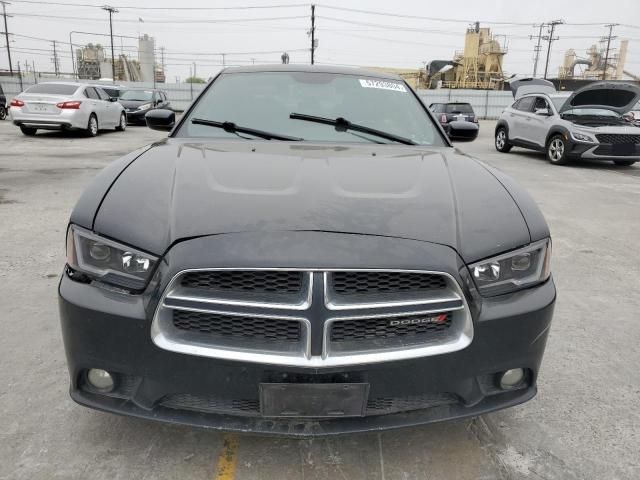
<point x="144" y="106"/>
<point x="108" y="261"/>
<point x="514" y="270"/>
<point x="583" y="137"/>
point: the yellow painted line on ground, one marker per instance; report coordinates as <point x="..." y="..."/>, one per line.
<point x="228" y="458"/>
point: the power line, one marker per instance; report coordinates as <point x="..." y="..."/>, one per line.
<point x="128" y="7"/>
<point x="169" y="21"/>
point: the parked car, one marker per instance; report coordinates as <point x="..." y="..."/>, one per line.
<point x="66" y="106"/>
<point x="3" y="104"/>
<point x="587" y="123"/>
<point x="113" y="91"/>
<point x="458" y="119"/>
<point x="137" y="102"/>
<point x="306" y="254"/>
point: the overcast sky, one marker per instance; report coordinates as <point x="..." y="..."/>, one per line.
<point x="403" y="40"/>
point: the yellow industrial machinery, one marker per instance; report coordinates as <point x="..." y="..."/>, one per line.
<point x="478" y="66"/>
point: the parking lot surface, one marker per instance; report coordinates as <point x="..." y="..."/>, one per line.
<point x="584" y="423"/>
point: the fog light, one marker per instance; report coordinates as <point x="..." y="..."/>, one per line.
<point x="511" y="378"/>
<point x="100" y="379"/>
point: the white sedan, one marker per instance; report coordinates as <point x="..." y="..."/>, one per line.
<point x="66" y="106"/>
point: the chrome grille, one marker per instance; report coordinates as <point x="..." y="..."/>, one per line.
<point x="312" y="318"/>
<point x="237" y="326"/>
<point x="614" y="138"/>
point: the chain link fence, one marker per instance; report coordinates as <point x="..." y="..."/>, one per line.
<point x="488" y="104"/>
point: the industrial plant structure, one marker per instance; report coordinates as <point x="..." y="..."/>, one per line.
<point x="597" y="64"/>
<point x="478" y="66"/>
<point x="93" y="62"/>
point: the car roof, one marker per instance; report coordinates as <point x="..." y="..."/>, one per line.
<point x="313" y="69"/>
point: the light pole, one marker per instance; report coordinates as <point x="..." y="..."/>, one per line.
<point x="6" y="35"/>
<point x="111" y="11"/>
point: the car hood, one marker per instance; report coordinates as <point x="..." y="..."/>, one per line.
<point x="183" y="189"/>
<point x="617" y="97"/>
<point x="525" y="86"/>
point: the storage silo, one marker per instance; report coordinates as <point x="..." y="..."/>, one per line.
<point x="146" y="57"/>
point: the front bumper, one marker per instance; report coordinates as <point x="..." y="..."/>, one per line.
<point x="112" y="331"/>
<point x="136" y="116"/>
<point x="600" y="151"/>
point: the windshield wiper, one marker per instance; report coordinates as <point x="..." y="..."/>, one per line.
<point x="343" y="125"/>
<point x="231" y="127"/>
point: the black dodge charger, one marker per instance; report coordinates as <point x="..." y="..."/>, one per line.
<point x="305" y="254"/>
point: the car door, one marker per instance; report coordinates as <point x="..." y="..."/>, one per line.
<point x="97" y="106"/>
<point x="111" y="110"/>
<point x="539" y="121"/>
<point x="518" y="116"/>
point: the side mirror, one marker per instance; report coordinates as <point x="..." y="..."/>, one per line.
<point x="160" y="119"/>
<point x="113" y="99"/>
<point x="543" y="111"/>
<point x="462" y="131"/>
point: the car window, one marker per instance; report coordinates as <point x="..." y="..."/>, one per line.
<point x="525" y="104"/>
<point x="140" y="95"/>
<point x="436" y="107"/>
<point x="540" y="103"/>
<point x="265" y="100"/>
<point x="89" y="92"/>
<point x="112" y="92"/>
<point x="52" y="89"/>
<point x="459" y="108"/>
<point x="102" y="94"/>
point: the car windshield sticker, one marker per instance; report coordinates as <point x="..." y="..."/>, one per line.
<point x="384" y="85"/>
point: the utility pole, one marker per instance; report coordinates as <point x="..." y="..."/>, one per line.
<point x="111" y="11"/>
<point x="606" y="55"/>
<point x="313" y="33"/>
<point x="550" y="38"/>
<point x="35" y="77"/>
<point x="224" y="60"/>
<point x="6" y="34"/>
<point x="56" y="65"/>
<point x="162" y="58"/>
<point x="537" y="48"/>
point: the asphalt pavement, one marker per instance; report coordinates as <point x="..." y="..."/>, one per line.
<point x="584" y="423"/>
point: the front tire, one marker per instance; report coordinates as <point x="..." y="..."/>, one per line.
<point x="557" y="150"/>
<point x="624" y="163"/>
<point x="502" y="140"/>
<point x="123" y="123"/>
<point x="92" y="126"/>
<point x="3" y="112"/>
<point x="28" y="131"/>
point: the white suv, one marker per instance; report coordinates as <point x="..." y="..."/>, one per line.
<point x="588" y="123"/>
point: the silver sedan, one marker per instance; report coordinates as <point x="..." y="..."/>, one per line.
<point x="66" y="106"/>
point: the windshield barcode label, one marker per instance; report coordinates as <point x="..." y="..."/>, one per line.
<point x="398" y="87"/>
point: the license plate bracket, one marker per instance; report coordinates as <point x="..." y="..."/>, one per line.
<point x="313" y="400"/>
<point x="622" y="149"/>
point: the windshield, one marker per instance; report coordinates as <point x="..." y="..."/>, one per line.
<point x="558" y="101"/>
<point x="265" y="100"/>
<point x="600" y="112"/>
<point x="459" y="108"/>
<point x="53" y="89"/>
<point x="137" y="95"/>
